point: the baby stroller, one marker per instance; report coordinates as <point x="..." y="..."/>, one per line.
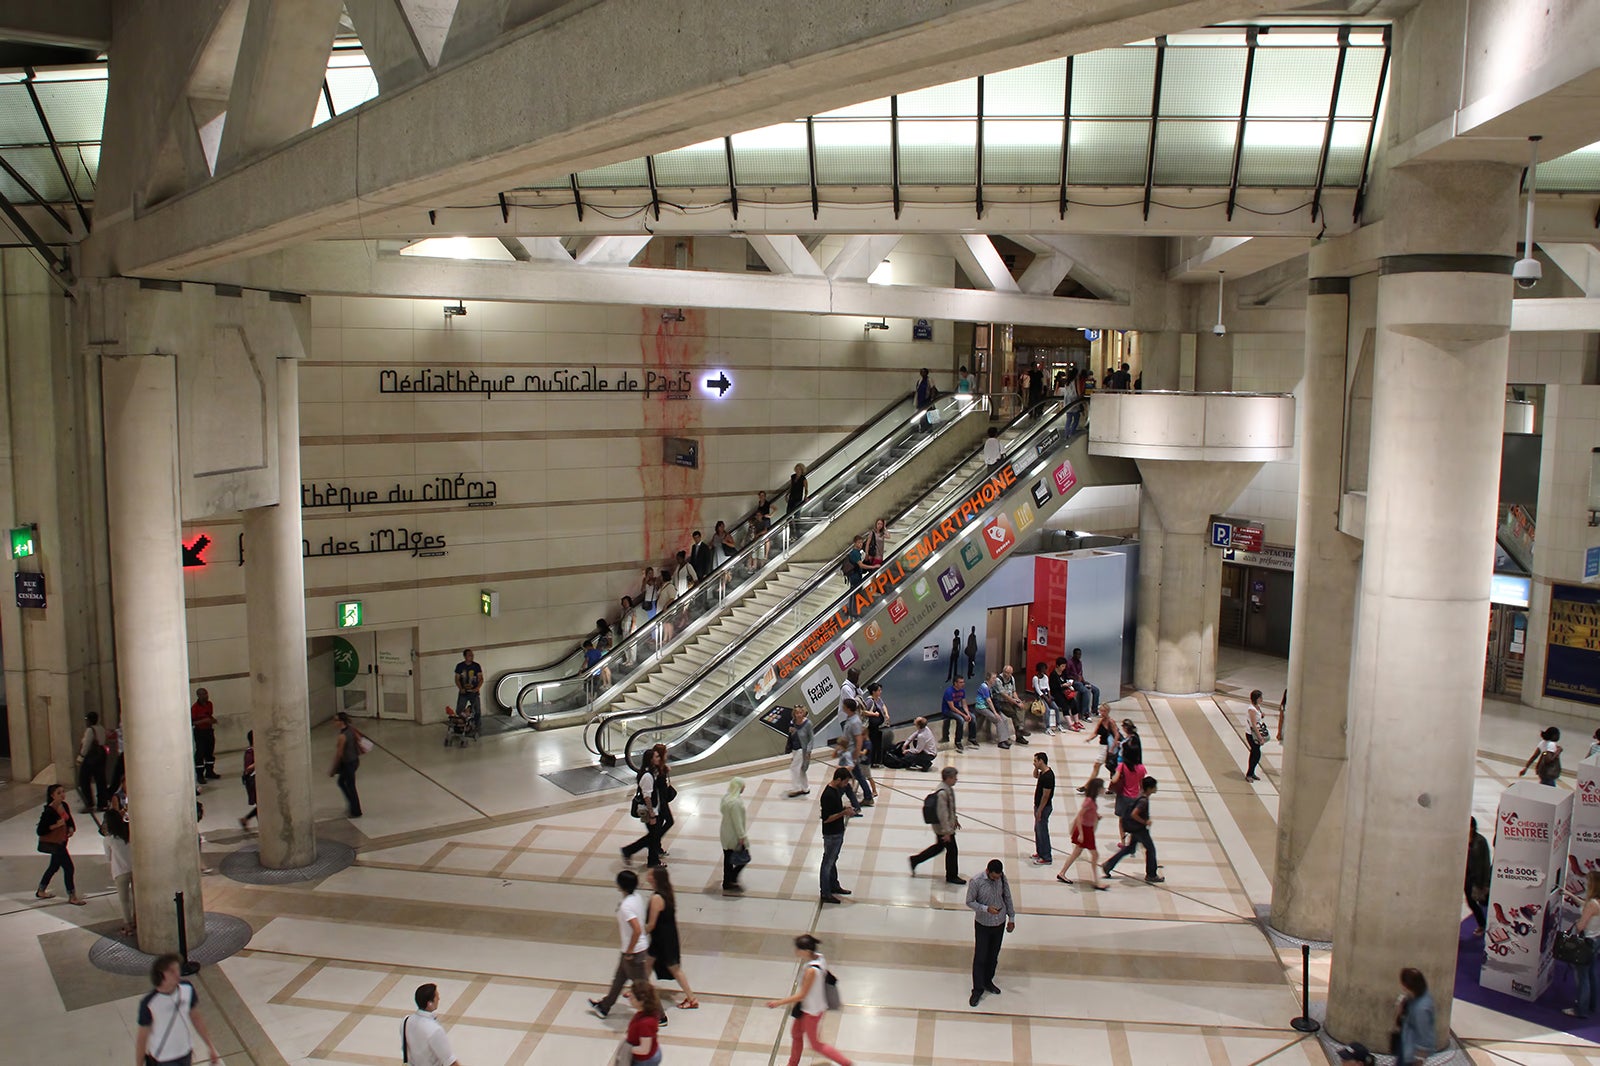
<point x="458" y="728"/>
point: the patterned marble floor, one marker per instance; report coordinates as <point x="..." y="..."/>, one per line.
<point x="477" y="875"/>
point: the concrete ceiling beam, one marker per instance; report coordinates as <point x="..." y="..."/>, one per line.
<point x="612" y="251"/>
<point x="81" y="24"/>
<point x="861" y="255"/>
<point x="975" y="254"/>
<point x="485" y="124"/>
<point x="1045" y="274"/>
<point x="784" y="253"/>
<point x="1556" y="315"/>
<point x="283" y="59"/>
<point x="1580" y="262"/>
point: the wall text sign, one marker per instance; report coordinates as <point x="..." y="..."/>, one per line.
<point x="667" y="382"/>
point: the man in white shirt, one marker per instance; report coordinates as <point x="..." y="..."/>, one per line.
<point x="916" y="752"/>
<point x="635" y="942"/>
<point x="422" y="1039"/>
<point x="165" y="1014"/>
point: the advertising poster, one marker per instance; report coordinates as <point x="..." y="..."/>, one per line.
<point x="1572" y="659"/>
<point x="1583" y="853"/>
<point x="1530" y="852"/>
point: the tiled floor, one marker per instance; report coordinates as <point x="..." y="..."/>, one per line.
<point x="476" y="873"/>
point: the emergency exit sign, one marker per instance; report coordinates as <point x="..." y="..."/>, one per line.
<point x="22" y="544"/>
<point x="349" y="614"/>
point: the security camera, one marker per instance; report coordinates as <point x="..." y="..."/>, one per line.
<point x="1527" y="272"/>
<point x="1219" y="330"/>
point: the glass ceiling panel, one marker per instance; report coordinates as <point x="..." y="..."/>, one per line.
<point x="705" y="163"/>
<point x="39" y="167"/>
<point x="1038" y="91"/>
<point x="938" y="153"/>
<point x="1281" y="153"/>
<point x="1292" y="82"/>
<point x="1021" y="152"/>
<point x="870" y="109"/>
<point x="629" y="174"/>
<point x="1107" y="152"/>
<point x="1202" y="82"/>
<point x="957" y="99"/>
<point x="19" y="123"/>
<point x="1194" y="151"/>
<point x="76" y="109"/>
<point x="1577" y="171"/>
<point x="1360" y="85"/>
<point x="1346" y="153"/>
<point x="773" y="155"/>
<point x="853" y="153"/>
<point x="1113" y="83"/>
<point x="351" y="87"/>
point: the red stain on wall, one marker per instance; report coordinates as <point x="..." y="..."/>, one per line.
<point x="672" y="493"/>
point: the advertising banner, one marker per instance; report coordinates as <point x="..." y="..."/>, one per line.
<point x="1572" y="656"/>
<point x="1583" y="853"/>
<point x="1530" y="852"/>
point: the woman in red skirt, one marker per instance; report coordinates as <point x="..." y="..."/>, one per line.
<point x="1083" y="837"/>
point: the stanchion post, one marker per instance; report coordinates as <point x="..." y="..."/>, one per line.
<point x="1305" y="1023"/>
<point x="186" y="967"/>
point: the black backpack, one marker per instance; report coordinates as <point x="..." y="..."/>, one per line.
<point x="930" y="808"/>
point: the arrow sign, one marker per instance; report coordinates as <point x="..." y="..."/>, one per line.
<point x="722" y="383"/>
<point x="192" y="552"/>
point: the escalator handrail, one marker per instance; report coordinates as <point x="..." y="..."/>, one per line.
<point x="741" y="523"/>
<point x="828" y="568"/>
<point x="962" y="403"/>
<point x="1073" y="423"/>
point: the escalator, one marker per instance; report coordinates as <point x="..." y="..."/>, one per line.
<point x="866" y="475"/>
<point x="733" y="710"/>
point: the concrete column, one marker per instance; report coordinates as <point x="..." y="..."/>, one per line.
<point x="1327" y="572"/>
<point x="1163" y="359"/>
<point x="283" y="58"/>
<point x="275" y="620"/>
<point x="1149" y="606"/>
<point x="141" y="433"/>
<point x="1444" y="311"/>
<point x="1186" y="494"/>
<point x="1213" y="362"/>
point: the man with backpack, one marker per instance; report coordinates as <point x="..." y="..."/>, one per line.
<point x="939" y="811"/>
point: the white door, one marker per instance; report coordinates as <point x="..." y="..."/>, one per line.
<point x="395" y="691"/>
<point x="359" y="698"/>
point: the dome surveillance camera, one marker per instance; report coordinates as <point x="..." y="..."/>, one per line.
<point x="1527" y="272"/>
<point x="1220" y="330"/>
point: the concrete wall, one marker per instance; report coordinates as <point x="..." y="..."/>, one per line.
<point x="583" y="498"/>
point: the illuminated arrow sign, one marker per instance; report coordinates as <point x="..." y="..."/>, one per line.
<point x="193" y="553"/>
<point x="722" y="383"/>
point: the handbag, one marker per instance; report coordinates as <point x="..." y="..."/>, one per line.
<point x="1573" y="948"/>
<point x="740" y="856"/>
<point x="668" y="793"/>
<point x="1261" y="730"/>
<point x="364" y="743"/>
<point x="830" y="991"/>
<point x="623" y="1056"/>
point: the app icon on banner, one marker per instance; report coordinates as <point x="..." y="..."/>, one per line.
<point x="998" y="535"/>
<point x="950" y="583"/>
<point x="898" y="610"/>
<point x="1065" y="478"/>
<point x="1041" y="493"/>
<point x="873" y="632"/>
<point x="970" y="555"/>
<point x="766" y="683"/>
<point x="846" y="655"/>
<point x="1024" y="517"/>
<point x="920" y="589"/>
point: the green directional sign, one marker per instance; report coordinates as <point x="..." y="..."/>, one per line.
<point x="346" y="662"/>
<point x="22" y="544"/>
<point x="349" y="613"/>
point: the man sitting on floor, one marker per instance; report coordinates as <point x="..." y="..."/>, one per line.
<point x="916" y="752"/>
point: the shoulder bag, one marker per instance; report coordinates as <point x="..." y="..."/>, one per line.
<point x="1573" y="948"/>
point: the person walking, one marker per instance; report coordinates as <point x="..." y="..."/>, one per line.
<point x="248" y="777"/>
<point x="1415" y="1030"/>
<point x="661" y="924"/>
<point x="646" y="807"/>
<point x="916" y="752"/>
<point x="836" y="811"/>
<point x="797" y="489"/>
<point x="1126" y="781"/>
<point x="802" y="734"/>
<point x="92" y="764"/>
<point x="469" y="682"/>
<point x="1547" y="756"/>
<point x="1083" y="842"/>
<point x="1044" y="791"/>
<point x="810" y="1002"/>
<point x="423" y="1041"/>
<point x="989" y="899"/>
<point x="635" y="944"/>
<point x="1136" y="827"/>
<point x="1105" y="734"/>
<point x="945" y="826"/>
<point x="1588" y="925"/>
<point x="1254" y="733"/>
<point x="115" y="839"/>
<point x="165" y="1014"/>
<point x="55" y="828"/>
<point x="1480" y="872"/>
<point x="644" y="1028"/>
<point x="665" y="794"/>
<point x="346" y="761"/>
<point x="953" y="708"/>
<point x="203" y="726"/>
<point x="735" y="838"/>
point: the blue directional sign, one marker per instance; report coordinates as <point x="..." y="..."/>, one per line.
<point x="1591" y="563"/>
<point x="1091" y="334"/>
<point x="1221" y="535"/>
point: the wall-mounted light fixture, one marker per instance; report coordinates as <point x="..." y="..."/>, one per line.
<point x="882" y="323"/>
<point x="672" y="315"/>
<point x="459" y="308"/>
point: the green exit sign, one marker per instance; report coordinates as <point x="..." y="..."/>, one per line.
<point x="22" y="544"/>
<point x="489" y="603"/>
<point x="349" y="614"/>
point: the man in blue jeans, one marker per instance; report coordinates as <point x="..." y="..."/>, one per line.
<point x="1088" y="695"/>
<point x="469" y="680"/>
<point x="1136" y="824"/>
<point x="954" y="709"/>
<point x="835" y="813"/>
<point x="1044" y="791"/>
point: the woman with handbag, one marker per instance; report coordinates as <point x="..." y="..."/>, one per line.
<point x="1255" y="732"/>
<point x="54" y="830"/>
<point x="1587" y="926"/>
<point x="665" y="793"/>
<point x="347" y="751"/>
<point x="661" y="922"/>
<point x="735" y="841"/>
<point x="809" y="1002"/>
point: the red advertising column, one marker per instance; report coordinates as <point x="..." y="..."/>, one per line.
<point x="1047" y="618"/>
